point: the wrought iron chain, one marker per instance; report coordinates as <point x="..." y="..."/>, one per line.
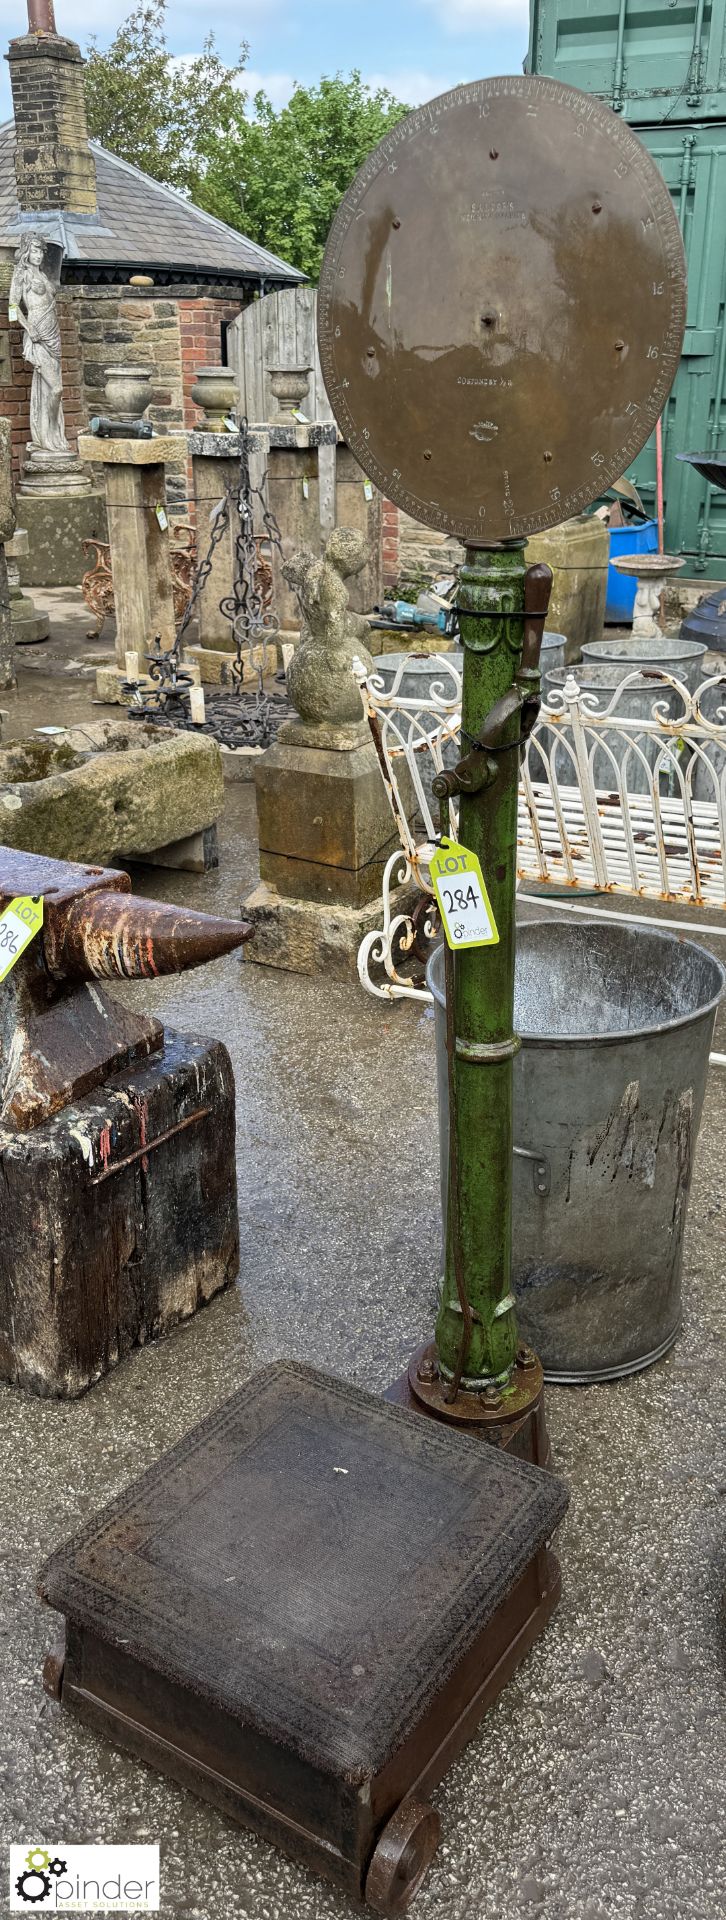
<point x="243" y="720"/>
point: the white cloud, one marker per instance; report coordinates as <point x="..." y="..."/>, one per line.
<point x="465" y="16"/>
<point x="277" y="86"/>
<point x="410" y="84"/>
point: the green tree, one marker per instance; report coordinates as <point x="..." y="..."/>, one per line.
<point x="276" y="176"/>
<point x="165" y="116"/>
<point x="281" y="175"/>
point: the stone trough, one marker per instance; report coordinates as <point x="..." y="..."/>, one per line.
<point x="114" y="789"/>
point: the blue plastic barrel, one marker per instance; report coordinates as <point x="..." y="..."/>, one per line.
<point x="642" y="537"/>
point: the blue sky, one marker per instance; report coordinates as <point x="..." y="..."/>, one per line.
<point x="417" y="47"/>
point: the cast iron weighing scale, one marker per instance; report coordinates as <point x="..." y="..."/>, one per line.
<point x="305" y="1609"/>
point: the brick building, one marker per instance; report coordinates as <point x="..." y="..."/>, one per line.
<point x="145" y="277"/>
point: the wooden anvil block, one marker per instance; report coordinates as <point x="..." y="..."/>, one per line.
<point x="117" y="1163"/>
<point x="119" y="1217"/>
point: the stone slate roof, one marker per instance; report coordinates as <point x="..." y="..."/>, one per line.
<point x="142" y="225"/>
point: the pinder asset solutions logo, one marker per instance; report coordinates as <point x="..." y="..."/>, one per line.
<point x="84" y="1879"/>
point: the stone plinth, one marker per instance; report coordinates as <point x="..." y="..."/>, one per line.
<point x="135" y="473"/>
<point x="49" y="473"/>
<point x="312" y="484"/>
<point x="28" y="626"/>
<point x="324" y="823"/>
<point x="305" y="936"/>
<point x="7" y="529"/>
<point x="7" y="670"/>
<point x="325" y="831"/>
<point x="112" y="685"/>
<point x="215" y="466"/>
<point x="118" y="789"/>
<point x="56" y="525"/>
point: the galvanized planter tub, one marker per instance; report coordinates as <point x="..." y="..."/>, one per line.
<point x="684" y="658"/>
<point x="616" y="1025"/>
<point x="632" y="753"/>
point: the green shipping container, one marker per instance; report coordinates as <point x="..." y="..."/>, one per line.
<point x="651" y="60"/>
<point x="663" y="66"/>
<point x="693" y="162"/>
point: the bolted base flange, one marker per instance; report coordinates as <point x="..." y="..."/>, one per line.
<point x="512" y="1418"/>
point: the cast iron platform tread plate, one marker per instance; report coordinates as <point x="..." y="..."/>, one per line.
<point x="310" y="1559"/>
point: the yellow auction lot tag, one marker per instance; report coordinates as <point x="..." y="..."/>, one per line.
<point x="464" y="903"/>
<point x="19" y="922"/>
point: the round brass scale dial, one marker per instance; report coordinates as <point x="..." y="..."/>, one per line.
<point x="502" y="306"/>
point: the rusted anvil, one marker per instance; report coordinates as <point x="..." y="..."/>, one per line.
<point x="116" y="1137"/>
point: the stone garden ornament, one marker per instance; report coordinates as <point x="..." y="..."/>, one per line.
<point x="320" y="678"/>
<point x="33" y="295"/>
<point x="51" y="465"/>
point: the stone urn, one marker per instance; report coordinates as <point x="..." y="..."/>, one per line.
<point x="128" y="392"/>
<point x="288" y="385"/>
<point x="215" y="391"/>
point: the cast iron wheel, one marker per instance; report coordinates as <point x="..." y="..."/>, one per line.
<point x="53" y="1665"/>
<point x="403" y="1854"/>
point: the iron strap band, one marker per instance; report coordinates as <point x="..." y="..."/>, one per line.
<point x="481" y="1054"/>
<point x="478" y="746"/>
<point x="505" y="1306"/>
<point x="491" y="613"/>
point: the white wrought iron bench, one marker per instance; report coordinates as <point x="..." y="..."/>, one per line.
<point x="610" y="800"/>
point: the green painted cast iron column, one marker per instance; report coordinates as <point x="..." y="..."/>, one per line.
<point x="491" y="582"/>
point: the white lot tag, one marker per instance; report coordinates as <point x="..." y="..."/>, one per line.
<point x="463" y="900"/>
<point x="367" y="490"/>
<point x="161" y="515"/>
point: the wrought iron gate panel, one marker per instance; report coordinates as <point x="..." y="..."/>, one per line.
<point x="654" y="826"/>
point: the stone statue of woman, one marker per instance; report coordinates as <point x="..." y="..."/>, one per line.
<point x="33" y="294"/>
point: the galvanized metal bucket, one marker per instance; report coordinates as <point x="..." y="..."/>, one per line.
<point x="616" y="1025"/>
<point x="636" y="703"/>
<point x="682" y="658"/>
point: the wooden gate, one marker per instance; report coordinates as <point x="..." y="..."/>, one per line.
<point x="277" y="331"/>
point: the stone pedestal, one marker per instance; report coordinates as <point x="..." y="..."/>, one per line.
<point x="325" y="827"/>
<point x="7" y="671"/>
<point x="324" y="822"/>
<point x="28" y="626"/>
<point x="652" y="572"/>
<point x="7" y="528"/>
<point x="53" y="473"/>
<point x="215" y="466"/>
<point x="135" y="474"/>
<point x="314" y="484"/>
<point x="325" y="832"/>
<point x="57" y="525"/>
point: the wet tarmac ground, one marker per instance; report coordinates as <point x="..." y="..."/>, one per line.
<point x="595" y="1787"/>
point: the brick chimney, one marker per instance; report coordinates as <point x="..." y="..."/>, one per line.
<point x="54" y="166"/>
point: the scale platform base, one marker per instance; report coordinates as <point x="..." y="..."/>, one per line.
<point x="517" y="1424"/>
<point x="302" y="1614"/>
